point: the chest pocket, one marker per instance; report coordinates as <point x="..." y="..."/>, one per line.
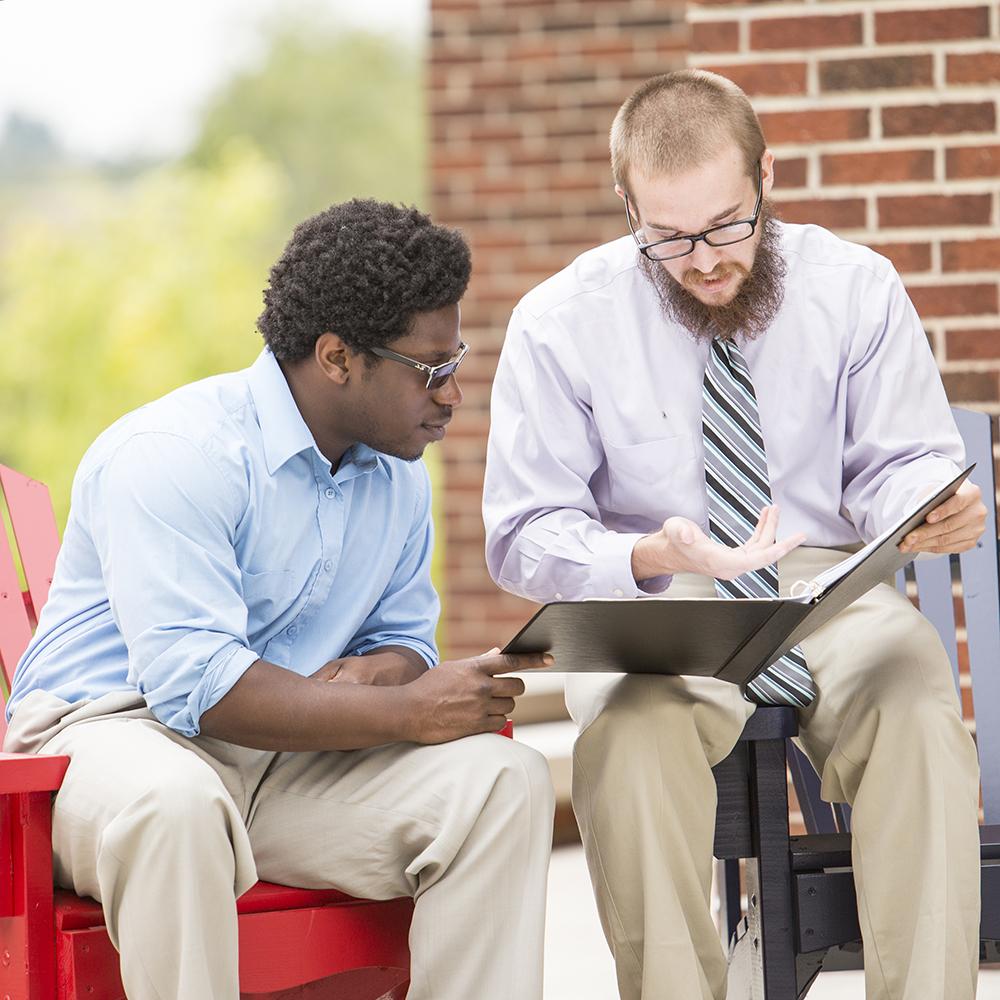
<point x="267" y="595"/>
<point x="639" y="475"/>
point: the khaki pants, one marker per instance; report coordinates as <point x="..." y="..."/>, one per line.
<point x="167" y="831"/>
<point x="886" y="735"/>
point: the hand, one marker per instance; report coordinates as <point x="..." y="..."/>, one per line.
<point x="952" y="526"/>
<point x="680" y="546"/>
<point x="463" y="697"/>
<point x="385" y="666"/>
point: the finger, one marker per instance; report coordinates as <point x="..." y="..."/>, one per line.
<point x="507" y="687"/>
<point x="947" y="541"/>
<point x="965" y="497"/>
<point x="501" y="706"/>
<point x="490" y="652"/>
<point x="758" y="558"/>
<point x="973" y="517"/>
<point x="758" y="530"/>
<point x="506" y="663"/>
<point x="951" y="550"/>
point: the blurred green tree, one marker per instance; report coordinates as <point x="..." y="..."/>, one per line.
<point x="341" y="112"/>
<point x="139" y="289"/>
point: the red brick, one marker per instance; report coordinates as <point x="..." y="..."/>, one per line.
<point x="874" y="168"/>
<point x="906" y="258"/>
<point x="930" y="25"/>
<point x="792" y="172"/>
<point x="973" y="345"/>
<point x="715" y="36"/>
<point x="766" y="78"/>
<point x="809" y="32"/>
<point x="834" y="213"/>
<point x="827" y="125"/>
<point x="939" y="119"/>
<point x="955" y="300"/>
<point x="934" y="210"/>
<point x="971" y="255"/>
<point x="973" y="67"/>
<point x="971" y="387"/>
<point x="876" y="74"/>
<point x="972" y="161"/>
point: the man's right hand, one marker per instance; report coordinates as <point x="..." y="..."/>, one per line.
<point x="463" y="697"/>
<point x="680" y="546"/>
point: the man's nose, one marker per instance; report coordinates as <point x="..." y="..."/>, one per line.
<point x="450" y="394"/>
<point x="705" y="257"/>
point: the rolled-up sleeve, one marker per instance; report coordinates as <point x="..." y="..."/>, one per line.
<point x="407" y="612"/>
<point x="544" y="538"/>
<point x="164" y="519"/>
<point x="901" y="439"/>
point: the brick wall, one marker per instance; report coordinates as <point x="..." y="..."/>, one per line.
<point x="883" y="117"/>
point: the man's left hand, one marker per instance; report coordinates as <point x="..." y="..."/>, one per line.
<point x="953" y="526"/>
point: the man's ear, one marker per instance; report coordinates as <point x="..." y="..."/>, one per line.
<point x="767" y="172"/>
<point x="620" y="191"/>
<point x="335" y="358"/>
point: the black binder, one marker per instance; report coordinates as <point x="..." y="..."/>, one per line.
<point x="711" y="637"/>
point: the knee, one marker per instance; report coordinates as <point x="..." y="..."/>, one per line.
<point x="178" y="813"/>
<point x="515" y="774"/>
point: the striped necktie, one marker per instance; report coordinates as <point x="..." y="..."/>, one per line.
<point x="738" y="489"/>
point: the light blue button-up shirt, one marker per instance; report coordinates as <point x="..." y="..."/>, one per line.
<point x="596" y="434"/>
<point x="207" y="531"/>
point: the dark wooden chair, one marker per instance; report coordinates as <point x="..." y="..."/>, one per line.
<point x="800" y="907"/>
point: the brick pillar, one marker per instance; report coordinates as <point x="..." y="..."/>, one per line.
<point x="883" y="118"/>
<point x="522" y="94"/>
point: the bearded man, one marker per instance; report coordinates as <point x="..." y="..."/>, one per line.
<point x="655" y="404"/>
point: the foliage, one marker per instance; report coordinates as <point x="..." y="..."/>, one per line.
<point x="341" y="112"/>
<point x="139" y="290"/>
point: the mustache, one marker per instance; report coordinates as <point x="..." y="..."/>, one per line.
<point x="751" y="310"/>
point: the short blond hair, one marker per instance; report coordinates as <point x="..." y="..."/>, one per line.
<point x="678" y="121"/>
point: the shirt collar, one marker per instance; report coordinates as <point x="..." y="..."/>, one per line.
<point x="283" y="430"/>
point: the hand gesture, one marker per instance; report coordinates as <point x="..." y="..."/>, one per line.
<point x="680" y="546"/>
<point x="463" y="697"/>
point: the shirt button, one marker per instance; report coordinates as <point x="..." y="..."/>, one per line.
<point x="558" y="597"/>
<point x="619" y="592"/>
<point x="293" y="631"/>
<point x="328" y="565"/>
<point x="330" y="492"/>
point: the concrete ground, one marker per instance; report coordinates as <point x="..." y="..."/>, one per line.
<point x="578" y="965"/>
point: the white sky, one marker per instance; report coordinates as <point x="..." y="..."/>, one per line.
<point x="118" y="77"/>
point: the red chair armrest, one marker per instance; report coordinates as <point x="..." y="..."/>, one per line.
<point x="28" y="772"/>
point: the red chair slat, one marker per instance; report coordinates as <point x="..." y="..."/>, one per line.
<point x="15" y="626"/>
<point x="35" y="531"/>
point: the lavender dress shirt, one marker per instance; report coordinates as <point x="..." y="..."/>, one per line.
<point x="596" y="415"/>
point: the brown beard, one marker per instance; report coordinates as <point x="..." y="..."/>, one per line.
<point x="751" y="310"/>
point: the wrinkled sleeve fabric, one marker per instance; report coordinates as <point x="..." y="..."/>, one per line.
<point x="901" y="440"/>
<point x="165" y="519"/>
<point x="407" y="612"/>
<point x="544" y="537"/>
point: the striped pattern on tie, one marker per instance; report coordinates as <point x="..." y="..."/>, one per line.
<point x="738" y="489"/>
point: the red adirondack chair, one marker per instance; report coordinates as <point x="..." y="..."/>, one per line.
<point x="293" y="943"/>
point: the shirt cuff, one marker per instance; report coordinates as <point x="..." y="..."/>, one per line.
<point x="612" y="569"/>
<point x="428" y="654"/>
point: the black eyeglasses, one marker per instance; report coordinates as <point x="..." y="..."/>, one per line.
<point x="717" y="236"/>
<point x="437" y="375"/>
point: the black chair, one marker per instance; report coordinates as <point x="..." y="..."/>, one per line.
<point x="801" y="911"/>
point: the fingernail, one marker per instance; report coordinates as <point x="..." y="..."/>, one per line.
<point x="548" y="659"/>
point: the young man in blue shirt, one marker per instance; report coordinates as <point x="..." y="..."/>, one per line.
<point x="236" y="650"/>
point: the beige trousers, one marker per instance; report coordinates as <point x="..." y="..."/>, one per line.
<point x="886" y="735"/>
<point x="167" y="831"/>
